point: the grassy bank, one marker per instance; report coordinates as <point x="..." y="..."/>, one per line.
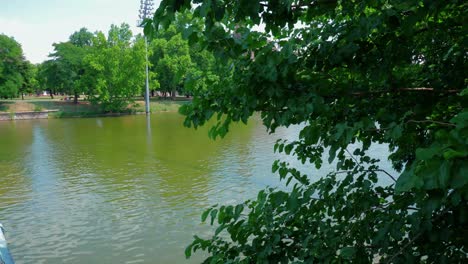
<point x="158" y="105"/>
<point x="83" y="108"/>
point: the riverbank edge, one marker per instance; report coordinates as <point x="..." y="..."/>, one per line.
<point x="56" y="114"/>
<point x="51" y="113"/>
<point x="11" y="116"/>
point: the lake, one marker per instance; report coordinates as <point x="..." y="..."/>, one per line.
<point x="124" y="189"/>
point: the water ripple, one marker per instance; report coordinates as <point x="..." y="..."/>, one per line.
<point x="81" y="191"/>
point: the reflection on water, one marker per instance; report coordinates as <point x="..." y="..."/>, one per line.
<point x="122" y="190"/>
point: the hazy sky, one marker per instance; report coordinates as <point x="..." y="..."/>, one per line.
<point x="37" y="24"/>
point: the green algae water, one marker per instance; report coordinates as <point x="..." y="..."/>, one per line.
<point x="125" y="189"/>
<point x="121" y="190"/>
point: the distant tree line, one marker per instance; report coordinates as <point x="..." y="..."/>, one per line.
<point x="109" y="70"/>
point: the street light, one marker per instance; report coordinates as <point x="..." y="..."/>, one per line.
<point x="146" y="9"/>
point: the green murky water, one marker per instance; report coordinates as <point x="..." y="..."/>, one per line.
<point x="125" y="189"/>
<point x="121" y="190"/>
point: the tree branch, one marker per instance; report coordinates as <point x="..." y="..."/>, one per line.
<point x="414" y="238"/>
<point x="432" y="121"/>
<point x="352" y="156"/>
<point x="388" y="174"/>
<point x="378" y="170"/>
<point x="415" y="89"/>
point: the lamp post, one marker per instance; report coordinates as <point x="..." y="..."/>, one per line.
<point x="146" y="9"/>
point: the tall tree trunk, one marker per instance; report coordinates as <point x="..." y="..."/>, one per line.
<point x="51" y="94"/>
<point x="75" y="100"/>
<point x="22" y="96"/>
<point x="173" y="94"/>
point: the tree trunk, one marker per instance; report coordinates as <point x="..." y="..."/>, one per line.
<point x="75" y="100"/>
<point x="22" y="96"/>
<point x="173" y="94"/>
<point x="51" y="94"/>
<point x="152" y="93"/>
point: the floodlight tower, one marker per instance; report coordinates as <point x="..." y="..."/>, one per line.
<point x="146" y="9"/>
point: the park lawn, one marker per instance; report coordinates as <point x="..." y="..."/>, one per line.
<point x="159" y="105"/>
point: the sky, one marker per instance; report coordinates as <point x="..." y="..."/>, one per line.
<point x="37" y="24"/>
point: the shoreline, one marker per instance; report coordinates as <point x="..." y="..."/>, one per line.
<point x="49" y="109"/>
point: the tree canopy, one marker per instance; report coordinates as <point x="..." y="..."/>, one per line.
<point x="354" y="74"/>
<point x="172" y="61"/>
<point x="65" y="71"/>
<point x="117" y="64"/>
<point x="30" y="81"/>
<point x="108" y="69"/>
<point x="177" y="66"/>
<point x="13" y="67"/>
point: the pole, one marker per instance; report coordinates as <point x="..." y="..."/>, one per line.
<point x="147" y="95"/>
<point x="146" y="7"/>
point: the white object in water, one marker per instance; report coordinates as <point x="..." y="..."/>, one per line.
<point x="5" y="257"/>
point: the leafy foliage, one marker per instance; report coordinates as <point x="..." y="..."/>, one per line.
<point x="49" y="76"/>
<point x="65" y="71"/>
<point x="354" y="74"/>
<point x="12" y="67"/>
<point x="178" y="67"/>
<point x="109" y="69"/>
<point x="117" y="63"/>
<point x="30" y="83"/>
<point x="172" y="61"/>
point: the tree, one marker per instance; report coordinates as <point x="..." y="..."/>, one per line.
<point x="120" y="36"/>
<point x="206" y="71"/>
<point x="69" y="57"/>
<point x="171" y="60"/>
<point x="30" y="82"/>
<point x="82" y="38"/>
<point x="51" y="77"/>
<point x="12" y="63"/>
<point x="179" y="67"/>
<point x="354" y="74"/>
<point x="118" y="65"/>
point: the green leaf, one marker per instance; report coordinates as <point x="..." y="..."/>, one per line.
<point x="407" y="181"/>
<point x="205" y="214"/>
<point x="426" y="153"/>
<point x="221" y="214"/>
<point x="213" y="214"/>
<point x="348" y="252"/>
<point x="219" y="229"/>
<point x="460" y="179"/>
<point x="454" y="154"/>
<point x="332" y="153"/>
<point x="188" y="251"/>
<point x="283" y="172"/>
<point x="275" y="166"/>
<point x="464" y="92"/>
<point x="444" y="174"/>
<point x="289" y="181"/>
<point x="288" y="148"/>
<point x="461" y="119"/>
